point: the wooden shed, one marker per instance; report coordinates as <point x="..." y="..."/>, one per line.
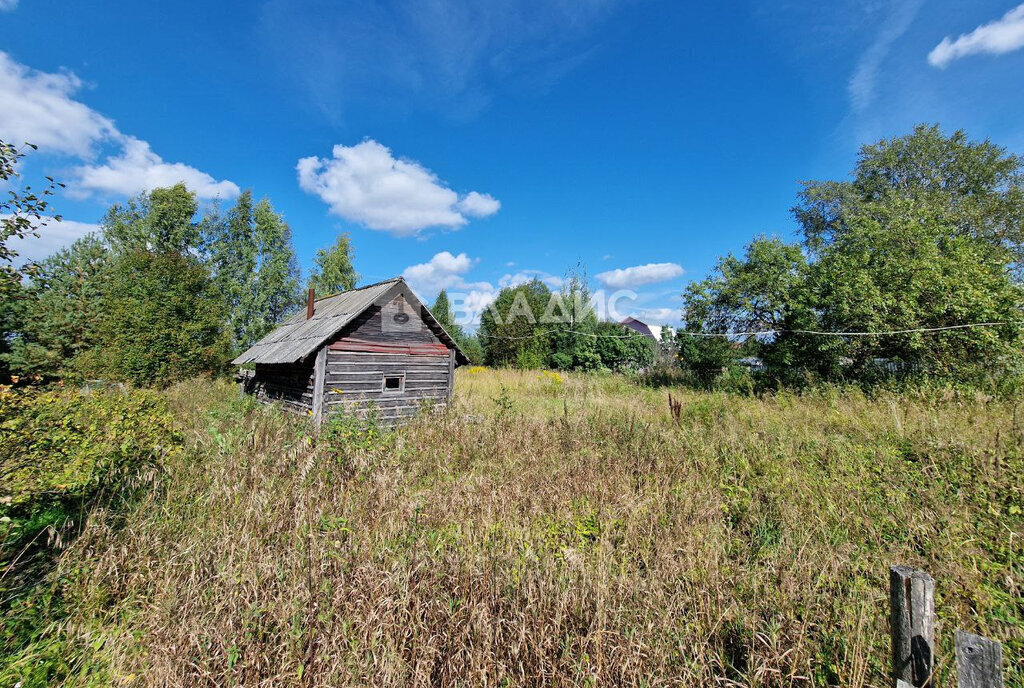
<point x="375" y="347"/>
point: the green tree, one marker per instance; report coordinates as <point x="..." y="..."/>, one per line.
<point x="705" y="358"/>
<point x="469" y="343"/>
<point x="75" y="306"/>
<point x="926" y="235"/>
<point x="162" y="321"/>
<point x="162" y="220"/>
<point x="233" y="251"/>
<point x="903" y="265"/>
<point x="620" y="348"/>
<point x="511" y="330"/>
<point x="758" y="292"/>
<point x="12" y="311"/>
<point x="277" y="290"/>
<point x="254" y="267"/>
<point x="22" y="213"/>
<point x="749" y="294"/>
<point x="333" y="271"/>
<point x="572" y="324"/>
<point x="474" y="350"/>
<point x="977" y="187"/>
<point x="63" y="296"/>
<point x="442" y="311"/>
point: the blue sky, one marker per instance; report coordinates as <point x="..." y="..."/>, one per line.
<point x="471" y="144"/>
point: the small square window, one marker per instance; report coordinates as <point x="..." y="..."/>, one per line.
<point x="394" y="383"/>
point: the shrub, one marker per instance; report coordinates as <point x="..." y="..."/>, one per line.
<point x="62" y="454"/>
<point x="345" y="433"/>
<point x="65" y="447"/>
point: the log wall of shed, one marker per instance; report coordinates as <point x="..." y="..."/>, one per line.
<point x="354" y="383"/>
<point x="370" y="349"/>
<point x="290" y="384"/>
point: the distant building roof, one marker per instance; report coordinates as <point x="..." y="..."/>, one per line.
<point x="298" y="337"/>
<point x="652" y="331"/>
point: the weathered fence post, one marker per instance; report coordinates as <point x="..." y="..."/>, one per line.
<point x="912" y="615"/>
<point x="979" y="661"/>
<point x="319" y="383"/>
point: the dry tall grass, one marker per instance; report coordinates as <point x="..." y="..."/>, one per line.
<point x="550" y="531"/>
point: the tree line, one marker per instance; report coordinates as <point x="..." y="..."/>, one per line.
<point x="921" y="248"/>
<point x="163" y="291"/>
<point x="529" y="326"/>
<point x="923" y="238"/>
<point x="167" y="289"/>
<point x="925" y="235"/>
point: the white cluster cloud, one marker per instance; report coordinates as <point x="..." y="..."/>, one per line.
<point x="639" y="275"/>
<point x="995" y="38"/>
<point x="39" y="107"/>
<point x="365" y="183"/>
<point x="443" y="271"/>
<point x="477" y="204"/>
<point x="138" y="168"/>
<point x="447" y="271"/>
<point x="52" y="237"/>
<point x="468" y="307"/>
<point x="8" y="5"/>
<point x="524" y="276"/>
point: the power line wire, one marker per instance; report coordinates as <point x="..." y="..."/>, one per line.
<point x="858" y="334"/>
<point x="883" y="333"/>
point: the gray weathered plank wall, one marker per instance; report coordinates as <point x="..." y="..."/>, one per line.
<point x="291" y="385"/>
<point x="354" y="382"/>
<point x="354" y="379"/>
<point x="370" y="326"/>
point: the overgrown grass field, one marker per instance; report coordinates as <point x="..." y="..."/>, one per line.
<point x="546" y="530"/>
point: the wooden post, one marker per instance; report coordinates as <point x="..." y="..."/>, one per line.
<point x="319" y="378"/>
<point x="451" y="374"/>
<point x="979" y="662"/>
<point x="912" y="616"/>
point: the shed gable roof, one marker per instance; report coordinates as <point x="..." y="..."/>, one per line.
<point x="298" y="337"/>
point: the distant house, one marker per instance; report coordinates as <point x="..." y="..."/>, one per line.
<point x="374" y="347"/>
<point x="651" y="331"/>
<point x="751" y="363"/>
